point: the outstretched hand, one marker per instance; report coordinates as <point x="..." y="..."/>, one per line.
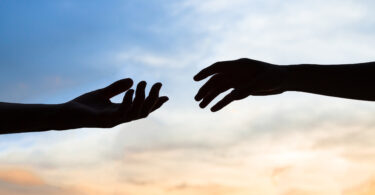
<point x="245" y="76"/>
<point x="95" y="109"/>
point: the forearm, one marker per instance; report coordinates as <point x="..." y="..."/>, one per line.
<point x="17" y="118"/>
<point x="354" y="81"/>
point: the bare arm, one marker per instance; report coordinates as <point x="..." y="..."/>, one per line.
<point x="354" y="81"/>
<point x="93" y="109"/>
<point x="252" y="77"/>
<point x="17" y="118"/>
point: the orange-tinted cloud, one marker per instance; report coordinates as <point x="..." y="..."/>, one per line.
<point x="20" y="181"/>
<point x="365" y="188"/>
<point x="20" y="176"/>
<point x="299" y="192"/>
<point x="278" y="171"/>
<point x="214" y="189"/>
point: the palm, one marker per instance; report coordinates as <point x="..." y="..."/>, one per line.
<point x="93" y="103"/>
<point x="94" y="109"/>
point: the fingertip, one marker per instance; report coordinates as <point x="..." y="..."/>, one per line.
<point x="201" y="93"/>
<point x="214" y="109"/>
<point x="129" y="80"/>
<point x="141" y="86"/>
<point x="142" y="83"/>
<point x="201" y="75"/>
<point x="155" y="89"/>
<point x="164" y="98"/>
<point x="202" y="105"/>
<point x="197" y="98"/>
<point x="158" y="85"/>
<point x="162" y="101"/>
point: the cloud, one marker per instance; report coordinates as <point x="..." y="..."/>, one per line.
<point x="20" y="181"/>
<point x="20" y="176"/>
<point x="365" y="188"/>
<point x="293" y="32"/>
<point x="150" y="59"/>
<point x="245" y="148"/>
<point x="300" y="192"/>
<point x="204" y="189"/>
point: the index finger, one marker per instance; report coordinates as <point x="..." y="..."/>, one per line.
<point x="213" y="69"/>
<point x="225" y="101"/>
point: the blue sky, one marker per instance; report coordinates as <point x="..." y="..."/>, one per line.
<point x="51" y="46"/>
<point x="294" y="143"/>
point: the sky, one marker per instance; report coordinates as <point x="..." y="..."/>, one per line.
<point x="288" y="144"/>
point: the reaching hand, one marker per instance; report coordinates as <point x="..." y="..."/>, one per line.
<point x="246" y="76"/>
<point x="94" y="109"/>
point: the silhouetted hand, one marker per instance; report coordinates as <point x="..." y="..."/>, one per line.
<point x="94" y="109"/>
<point x="245" y="76"/>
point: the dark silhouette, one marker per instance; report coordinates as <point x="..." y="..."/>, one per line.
<point x="251" y="77"/>
<point x="93" y="109"/>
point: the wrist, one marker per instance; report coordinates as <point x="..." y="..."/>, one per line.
<point x="286" y="76"/>
<point x="73" y="116"/>
<point x="57" y="117"/>
<point x="291" y="80"/>
<point x="66" y="117"/>
<point x="302" y="76"/>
